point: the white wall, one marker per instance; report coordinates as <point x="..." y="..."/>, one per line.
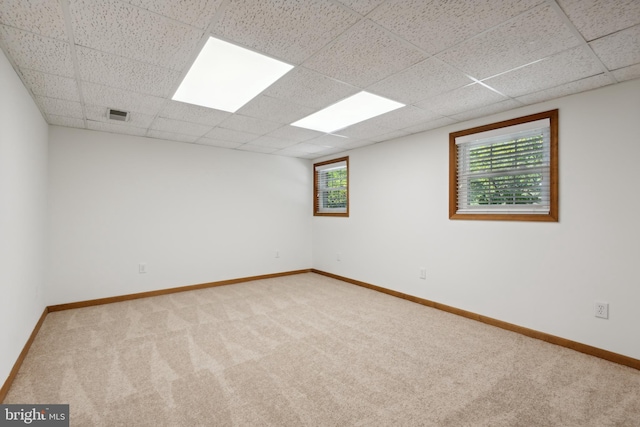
<point x="23" y="201"/>
<point x="192" y="213"/>
<point x="544" y="276"/>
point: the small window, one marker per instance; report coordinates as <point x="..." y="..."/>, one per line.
<point x="506" y="171"/>
<point x="331" y="188"/>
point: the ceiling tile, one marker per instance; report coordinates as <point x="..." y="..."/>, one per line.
<point x="111" y="70"/>
<point x="364" y="130"/>
<point x="171" y="136"/>
<point x="305" y="147"/>
<point x="288" y="30"/>
<point x="597" y="18"/>
<point x="362" y="6"/>
<point x="249" y="124"/>
<point x="38" y="53"/>
<point x="627" y="73"/>
<point x="534" y="35"/>
<point x="218" y="143"/>
<point x="403" y="117"/>
<point x="69" y="122"/>
<point x="388" y="136"/>
<point x="178" y="126"/>
<point x="460" y="100"/>
<point x="197" y="13"/>
<point x="430" y="24"/>
<point x="119" y="28"/>
<point x="193" y="113"/>
<point x="423" y="80"/>
<point x="573" y="64"/>
<point x="60" y="107"/>
<point x="256" y="148"/>
<point x="306" y="87"/>
<point x="98" y="113"/>
<point x="372" y="55"/>
<point x="116" y="128"/>
<point x="274" y="109"/>
<point x="294" y="133"/>
<point x="619" y="50"/>
<point x="43" y="17"/>
<point x="111" y="97"/>
<point x="51" y="86"/>
<point x="357" y="143"/>
<point x="267" y="141"/>
<point x="567" y="89"/>
<point x="434" y="124"/>
<point x="230" y="135"/>
<point x="499" y="107"/>
<point x="329" y="140"/>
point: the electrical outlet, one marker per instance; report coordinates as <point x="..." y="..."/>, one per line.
<point x="142" y="268"/>
<point x="423" y="273"/>
<point x="602" y="309"/>
<point x="277" y="253"/>
<point x="339" y="257"/>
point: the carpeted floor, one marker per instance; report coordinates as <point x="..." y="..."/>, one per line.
<point x="307" y="350"/>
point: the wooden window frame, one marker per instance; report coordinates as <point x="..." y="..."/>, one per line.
<point x="316" y="206"/>
<point x="552" y="216"/>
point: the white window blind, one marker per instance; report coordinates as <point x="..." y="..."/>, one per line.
<point x="331" y="186"/>
<point x="505" y="170"/>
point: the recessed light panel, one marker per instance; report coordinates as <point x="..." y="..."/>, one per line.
<point x="356" y="108"/>
<point x="225" y="76"/>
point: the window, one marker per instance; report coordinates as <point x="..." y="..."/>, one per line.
<point x="331" y="188"/>
<point x="506" y="171"/>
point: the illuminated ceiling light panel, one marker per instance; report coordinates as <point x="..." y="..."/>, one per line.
<point x="225" y="76"/>
<point x="356" y="108"/>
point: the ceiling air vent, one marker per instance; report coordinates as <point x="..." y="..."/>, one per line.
<point x="121" y="116"/>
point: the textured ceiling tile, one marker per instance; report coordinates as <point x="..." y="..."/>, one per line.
<point x="123" y="73"/>
<point x="60" y="107"/>
<point x="460" y="100"/>
<point x="423" y="80"/>
<point x="198" y="13"/>
<point x="567" y="89"/>
<point x="249" y="124"/>
<point x="627" y="73"/>
<point x="177" y="126"/>
<point x="267" y="141"/>
<point x="274" y="109"/>
<point x="69" y="122"/>
<point x="403" y="117"/>
<point x="119" y="99"/>
<point x="619" y="50"/>
<point x="438" y="24"/>
<point x="486" y="111"/>
<point x="171" y="136"/>
<point x="288" y="30"/>
<point x="329" y="140"/>
<point x="438" y="123"/>
<point x="230" y="135"/>
<point x="118" y="28"/>
<point x="42" y="17"/>
<point x="294" y="133"/>
<point x="257" y="148"/>
<point x="362" y="6"/>
<point x="534" y="35"/>
<point x="116" y="128"/>
<point x="597" y="18"/>
<point x="364" y="130"/>
<point x="388" y="136"/>
<point x="308" y="88"/>
<point x="218" y="143"/>
<point x="51" y="86"/>
<point x="372" y="55"/>
<point x="305" y="147"/>
<point x="573" y="64"/>
<point x="98" y="113"/>
<point x="38" y="53"/>
<point x="193" y="113"/>
<point x="357" y="143"/>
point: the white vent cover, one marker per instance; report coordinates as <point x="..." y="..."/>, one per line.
<point x="121" y="116"/>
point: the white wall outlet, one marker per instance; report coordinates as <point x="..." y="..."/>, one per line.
<point x="423" y="273"/>
<point x="601" y="309"/>
<point x="277" y="253"/>
<point x="338" y="256"/>
<point x="142" y="267"/>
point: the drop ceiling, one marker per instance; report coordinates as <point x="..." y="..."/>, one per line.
<point x="447" y="60"/>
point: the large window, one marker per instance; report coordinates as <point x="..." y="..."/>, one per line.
<point x="331" y="188"/>
<point x="506" y="170"/>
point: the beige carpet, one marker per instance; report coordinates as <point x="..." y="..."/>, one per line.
<point x="307" y="350"/>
